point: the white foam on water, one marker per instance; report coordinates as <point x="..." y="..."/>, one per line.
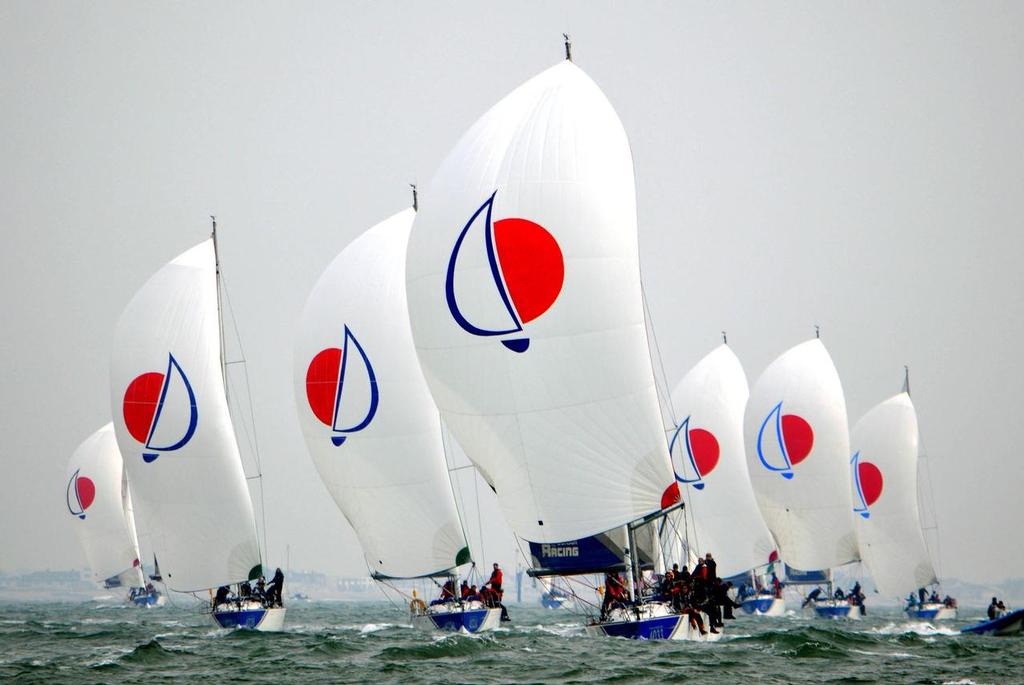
<point x="895" y="655"/>
<point x="924" y="629"/>
<point x="963" y="681"/>
<point x="375" y="627"/>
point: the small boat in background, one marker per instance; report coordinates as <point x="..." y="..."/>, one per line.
<point x="1009" y="623"/>
<point x="885" y="445"/>
<point x="554" y="598"/>
<point x="100" y="502"/>
<point x="798" y="451"/>
<point x="710" y="466"/>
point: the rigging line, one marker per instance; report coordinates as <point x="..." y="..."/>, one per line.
<point x="479" y="518"/>
<point x="455" y="487"/>
<point x="254" y="440"/>
<point x="923" y="456"/>
<point x="673" y="418"/>
<point x="657" y="351"/>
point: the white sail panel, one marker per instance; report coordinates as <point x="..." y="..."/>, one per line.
<point x="549" y="385"/>
<point x="384" y="462"/>
<point x="174" y="430"/>
<point x="884" y="476"/>
<point x="96" y="496"/>
<point x="711" y="465"/>
<point x="797" y="443"/>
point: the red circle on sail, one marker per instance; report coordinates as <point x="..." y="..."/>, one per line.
<point x="322" y="384"/>
<point x="670" y="496"/>
<point x="140" y="402"/>
<point x="870" y="482"/>
<point x="798" y="438"/>
<point x="531" y="264"/>
<point x="86" y="491"/>
<point x="705" y="450"/>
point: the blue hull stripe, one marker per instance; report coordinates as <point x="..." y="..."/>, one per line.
<point x="833" y="611"/>
<point x="660" y="628"/>
<point x="240" y="619"/>
<point x="457" y="620"/>
<point x="762" y="605"/>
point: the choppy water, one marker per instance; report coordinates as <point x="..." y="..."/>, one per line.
<point x="363" y="642"/>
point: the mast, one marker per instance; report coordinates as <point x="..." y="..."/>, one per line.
<point x="220" y="307"/>
<point x="906" y="379"/>
<point x="630" y="559"/>
<point x="568" y="46"/>
<point x="415" y="198"/>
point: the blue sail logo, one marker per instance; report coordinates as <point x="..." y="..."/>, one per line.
<point x="700" y="451"/>
<point x="326" y="378"/>
<point x="146" y="410"/>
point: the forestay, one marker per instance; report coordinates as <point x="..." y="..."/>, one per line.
<point x="99" y="501"/>
<point x="524" y="297"/>
<point x="711" y="465"/>
<point x="797" y="444"/>
<point x="884" y="473"/>
<point x="174" y="430"/>
<point x="366" y="413"/>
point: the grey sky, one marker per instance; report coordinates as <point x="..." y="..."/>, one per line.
<point x="857" y="165"/>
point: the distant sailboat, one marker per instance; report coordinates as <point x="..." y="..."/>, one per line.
<point x="885" y="496"/>
<point x="174" y="430"/>
<point x="99" y="500"/>
<point x="797" y="442"/>
<point x="372" y="428"/>
<point x="526" y="309"/>
<point x="711" y="468"/>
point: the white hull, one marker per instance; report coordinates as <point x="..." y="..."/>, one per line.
<point x="932" y="611"/>
<point x="250" y="616"/>
<point x="653" y="621"/>
<point x="471" y="617"/>
<point x="837" y="608"/>
<point x="757" y="606"/>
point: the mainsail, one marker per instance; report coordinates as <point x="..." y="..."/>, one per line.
<point x="884" y="473"/>
<point x="367" y="415"/>
<point x="797" y="444"/>
<point x="174" y="430"/>
<point x="524" y="297"/>
<point x="100" y="502"/>
<point x="711" y="467"/>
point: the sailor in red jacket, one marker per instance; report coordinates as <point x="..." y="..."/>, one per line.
<point x="495" y="584"/>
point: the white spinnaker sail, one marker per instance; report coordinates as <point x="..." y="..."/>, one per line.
<point x="798" y="446"/>
<point x="884" y="444"/>
<point x="524" y="296"/>
<point x="174" y="430"/>
<point x="96" y="498"/>
<point x="389" y="477"/>
<point x="711" y="465"/>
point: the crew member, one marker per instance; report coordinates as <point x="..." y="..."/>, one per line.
<point x="497" y="593"/>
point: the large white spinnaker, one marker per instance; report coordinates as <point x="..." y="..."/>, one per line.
<point x="524" y="296"/>
<point x="798" y="446"/>
<point x="711" y="465"/>
<point x="99" y="501"/>
<point x="368" y="418"/>
<point x="884" y="444"/>
<point x="174" y="430"/>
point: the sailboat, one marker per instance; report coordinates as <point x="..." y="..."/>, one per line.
<point x="884" y="471"/>
<point x="173" y="427"/>
<point x="797" y="444"/>
<point x="100" y="503"/>
<point x="372" y="428"/>
<point x="526" y="308"/>
<point x="711" y="468"/>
